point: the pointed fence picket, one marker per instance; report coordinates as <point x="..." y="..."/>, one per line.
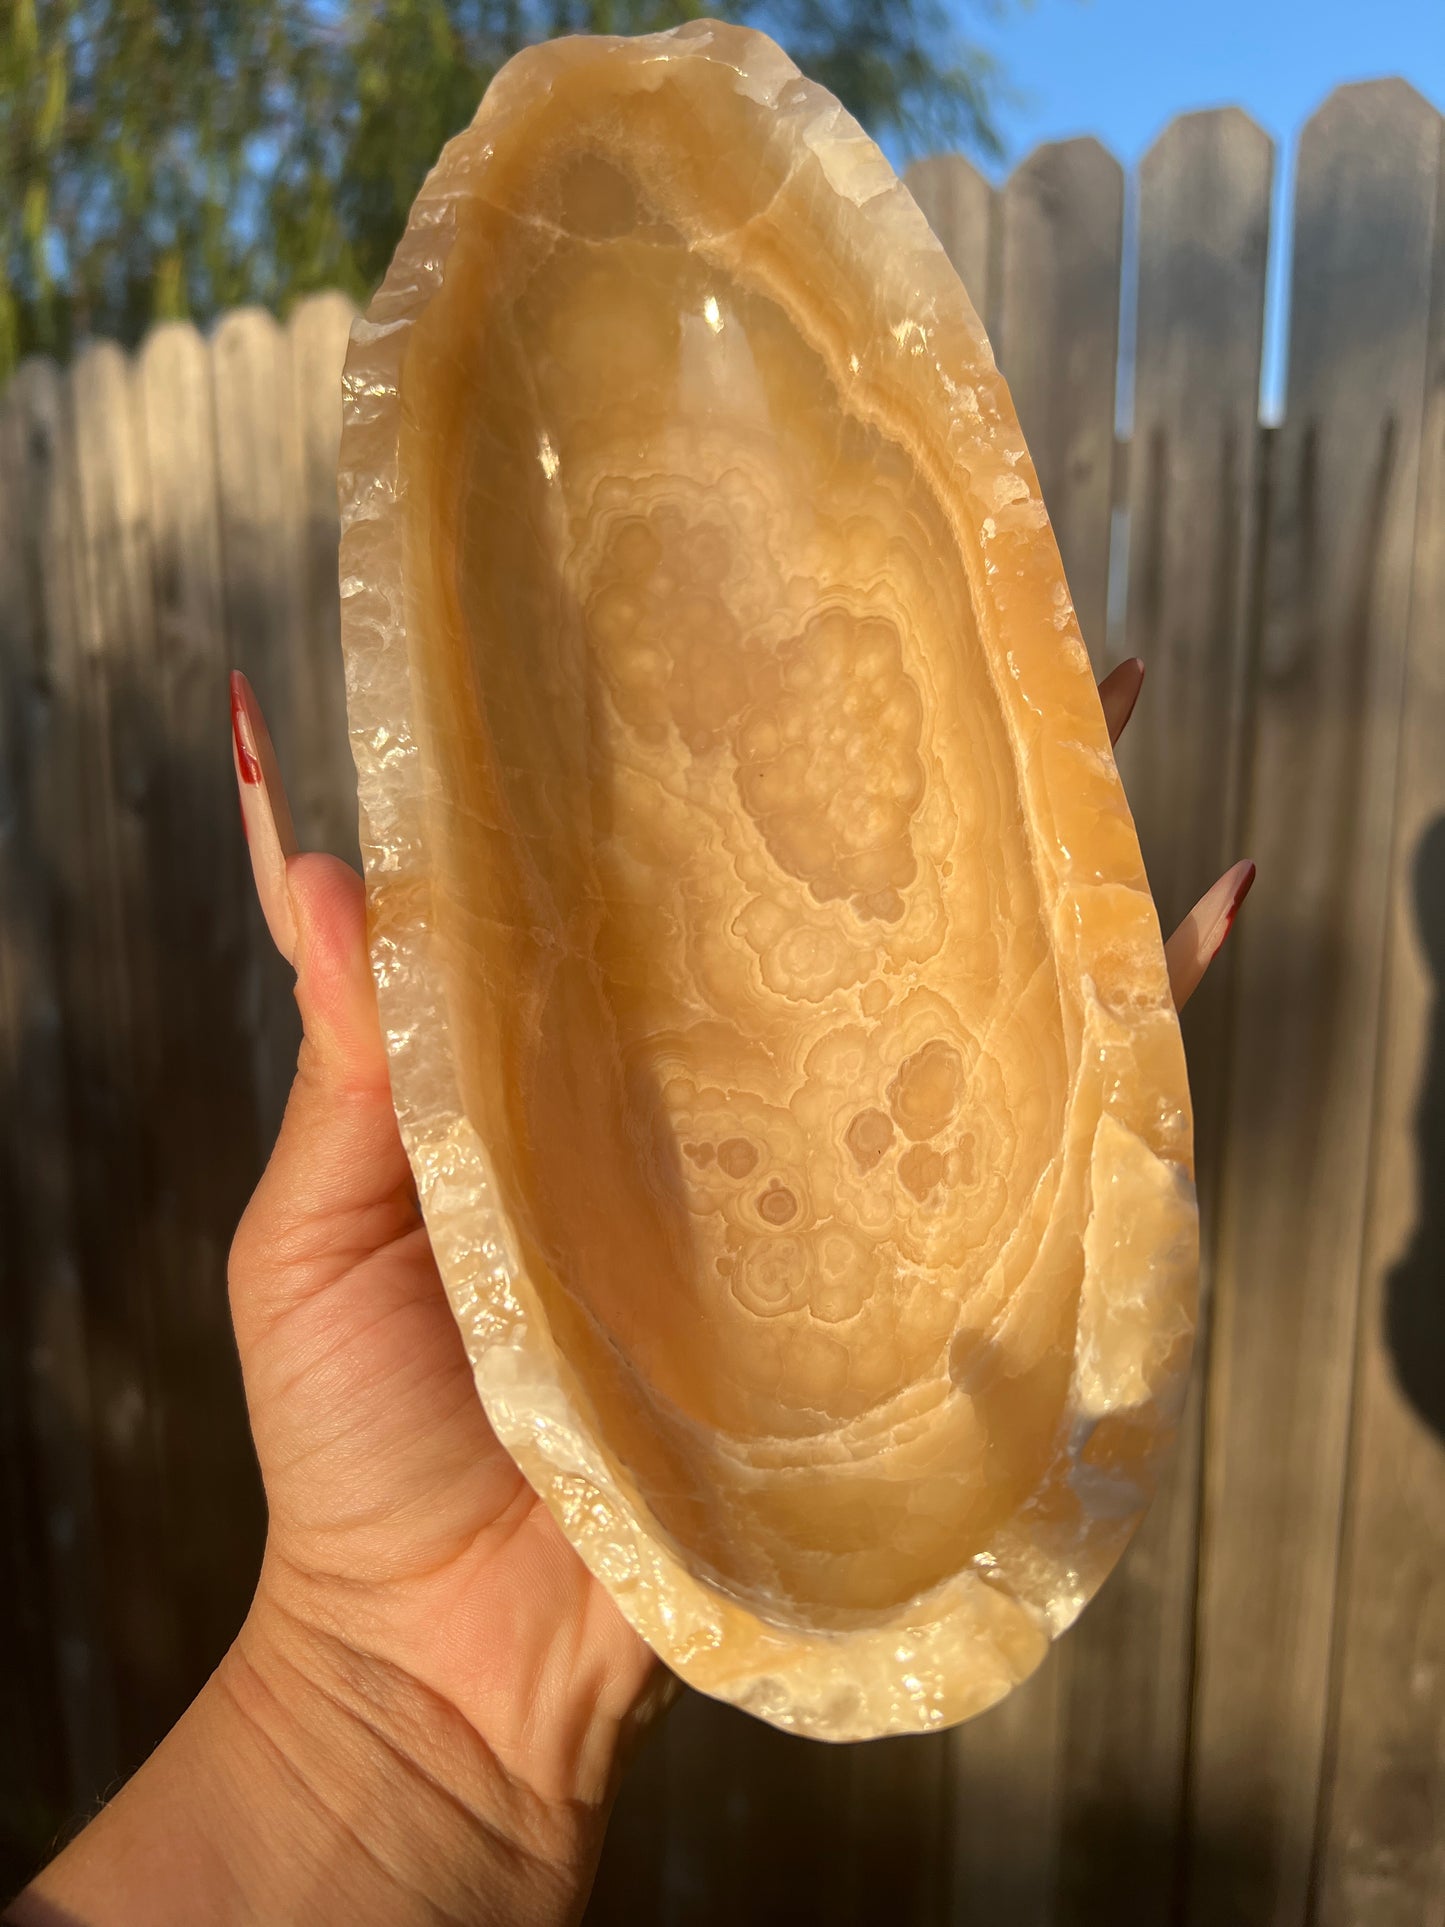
<point x="1247" y="1726"/>
<point x="1203" y="223"/>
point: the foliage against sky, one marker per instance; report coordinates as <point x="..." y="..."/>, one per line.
<point x="164" y="158"/>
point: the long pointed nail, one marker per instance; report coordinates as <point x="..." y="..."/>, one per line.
<point x="1118" y="692"/>
<point x="265" y="813"/>
<point x="1198" y="940"/>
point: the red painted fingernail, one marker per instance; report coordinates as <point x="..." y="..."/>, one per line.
<point x="1138" y="662"/>
<point x="265" y="814"/>
<point x="248" y="766"/>
<point x="1241" y="891"/>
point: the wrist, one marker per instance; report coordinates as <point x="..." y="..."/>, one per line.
<point x="462" y="1653"/>
<point x="310" y="1782"/>
<point x="399" y="1810"/>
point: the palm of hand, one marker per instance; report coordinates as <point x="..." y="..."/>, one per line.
<point x="396" y="1517"/>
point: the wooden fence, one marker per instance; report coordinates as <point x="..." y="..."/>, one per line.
<point x="1249" y="1725"/>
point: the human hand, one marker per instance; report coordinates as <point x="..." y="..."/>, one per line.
<point x="424" y="1714"/>
<point x="401" y="1535"/>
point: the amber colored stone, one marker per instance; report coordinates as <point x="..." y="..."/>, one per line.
<point x="778" y="1017"/>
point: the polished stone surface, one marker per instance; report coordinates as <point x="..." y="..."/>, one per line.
<point x="779" y="1021"/>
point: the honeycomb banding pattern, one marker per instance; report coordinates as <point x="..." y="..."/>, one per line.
<point x="779" y="1023"/>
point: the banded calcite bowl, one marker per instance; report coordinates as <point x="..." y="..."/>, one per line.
<point x="777" y="1012"/>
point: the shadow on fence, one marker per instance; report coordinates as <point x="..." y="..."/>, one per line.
<point x="1415" y="1289"/>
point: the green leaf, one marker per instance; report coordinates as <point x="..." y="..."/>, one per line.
<point x="27" y="34"/>
<point x="33" y="214"/>
<point x="170" y="289"/>
<point x="53" y="107"/>
<point x="9" y="332"/>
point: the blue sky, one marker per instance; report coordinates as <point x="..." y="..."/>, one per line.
<point x="1122" y="69"/>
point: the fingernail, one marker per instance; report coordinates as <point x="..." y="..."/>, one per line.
<point x="265" y="813"/>
<point x="1119" y="692"/>
<point x="1243" y="874"/>
<point x="1136" y="663"/>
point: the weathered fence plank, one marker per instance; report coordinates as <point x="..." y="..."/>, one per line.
<point x="1002" y="1839"/>
<point x="1203" y="230"/>
<point x="1304" y="1059"/>
<point x="961" y="208"/>
<point x="47" y="1148"/>
<point x="759" y="1823"/>
<point x="1204" y="193"/>
<point x="321" y="780"/>
<point x="95" y="574"/>
<point x="1383" y="1831"/>
<point x="204" y="1092"/>
<point x="1061" y="217"/>
<point x="632" y="1883"/>
<point x="259" y="492"/>
<point x="898" y="1821"/>
<point x="33" y="1778"/>
<point x="721" y="1820"/>
<point x="57" y="1719"/>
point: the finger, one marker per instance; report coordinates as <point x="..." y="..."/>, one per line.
<point x="337" y="1185"/>
<point x="1118" y="692"/>
<point x="1197" y="941"/>
<point x="265" y="813"/>
<point x="342" y="1052"/>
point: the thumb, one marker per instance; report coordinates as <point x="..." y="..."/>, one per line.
<point x="337" y="1186"/>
